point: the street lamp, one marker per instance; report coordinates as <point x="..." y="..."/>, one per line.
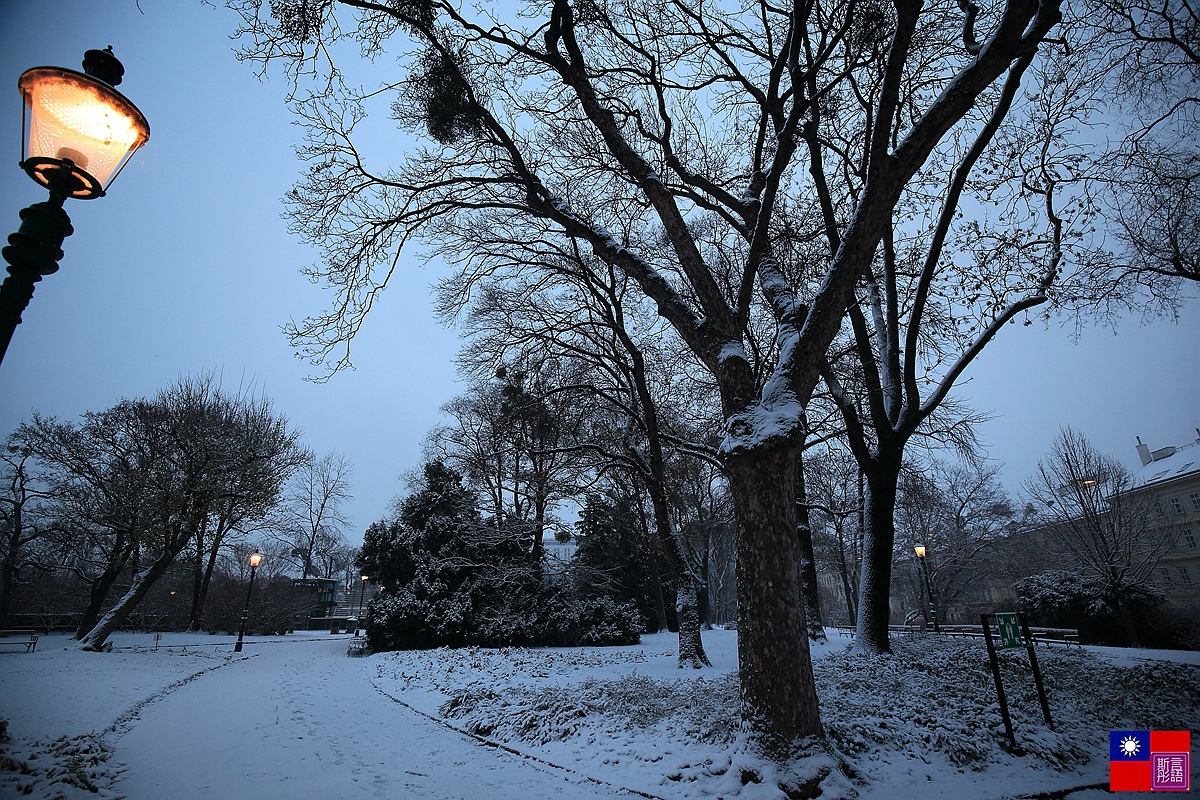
<point x="920" y="551"/>
<point x="361" y="593"/>
<point x="80" y="133"/>
<point x="255" y="560"/>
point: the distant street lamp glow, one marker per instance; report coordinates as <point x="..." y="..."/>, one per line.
<point x="78" y="132"/>
<point x="933" y="615"/>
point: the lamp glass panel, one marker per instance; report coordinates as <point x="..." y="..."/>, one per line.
<point x="78" y="118"/>
<point x="920" y="549"/>
<point x="255" y="559"/>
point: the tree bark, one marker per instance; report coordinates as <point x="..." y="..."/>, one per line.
<point x="8" y="586"/>
<point x="875" y="575"/>
<point x="142" y="581"/>
<point x="778" y="693"/>
<point x="660" y="606"/>
<point x="808" y="565"/>
<point x="1127" y="618"/>
<point x="844" y="571"/>
<point x="99" y="593"/>
<point x="705" y="598"/>
<point x="687" y="594"/>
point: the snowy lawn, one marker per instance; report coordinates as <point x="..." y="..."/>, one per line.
<point x="602" y="722"/>
<point x="923" y="722"/>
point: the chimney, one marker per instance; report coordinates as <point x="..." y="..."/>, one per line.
<point x="1143" y="452"/>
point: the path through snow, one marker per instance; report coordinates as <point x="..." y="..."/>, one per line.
<point x="299" y="720"/>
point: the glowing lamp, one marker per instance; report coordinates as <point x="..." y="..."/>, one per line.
<point x="920" y="550"/>
<point x="255" y="559"/>
<point x="80" y="130"/>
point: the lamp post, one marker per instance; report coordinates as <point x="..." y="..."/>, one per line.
<point x="81" y="132"/>
<point x="933" y="615"/>
<point x="361" y="593"/>
<point x="255" y="559"/>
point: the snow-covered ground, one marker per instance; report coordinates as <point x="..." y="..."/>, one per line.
<point x="293" y="717"/>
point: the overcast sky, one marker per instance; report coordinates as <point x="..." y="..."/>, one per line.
<point x="187" y="267"/>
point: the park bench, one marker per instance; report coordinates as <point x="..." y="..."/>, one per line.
<point x="358" y="646"/>
<point x="1063" y="636"/>
<point x="29" y="643"/>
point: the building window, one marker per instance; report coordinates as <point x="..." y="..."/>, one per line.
<point x="1158" y="509"/>
<point x="1189" y="538"/>
<point x="1166" y="576"/>
<point x="1175" y="504"/>
<point x="1195" y="497"/>
<point x="1185" y="576"/>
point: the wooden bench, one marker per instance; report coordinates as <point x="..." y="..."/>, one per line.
<point x="30" y="643"/>
<point x="846" y="630"/>
<point x="358" y="646"/>
<point x="1063" y="636"/>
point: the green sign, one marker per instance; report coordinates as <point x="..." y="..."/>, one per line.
<point x="1010" y="631"/>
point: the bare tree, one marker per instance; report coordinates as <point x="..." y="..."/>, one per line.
<point x="99" y="472"/>
<point x="958" y="510"/>
<point x="669" y="138"/>
<point x="834" y="498"/>
<point x="1089" y="505"/>
<point x="1148" y="164"/>
<point x="311" y="519"/>
<point x="24" y="518"/>
<point x="202" y="448"/>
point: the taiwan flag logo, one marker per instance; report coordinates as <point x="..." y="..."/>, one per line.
<point x="1149" y="761"/>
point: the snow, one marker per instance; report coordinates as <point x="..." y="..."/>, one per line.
<point x="294" y="717"/>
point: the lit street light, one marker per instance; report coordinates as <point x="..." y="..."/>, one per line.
<point x="255" y="559"/>
<point x="80" y="133"/>
<point x="933" y="615"/>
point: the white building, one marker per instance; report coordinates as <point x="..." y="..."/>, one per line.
<point x="1173" y="475"/>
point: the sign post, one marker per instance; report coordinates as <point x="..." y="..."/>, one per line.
<point x="991" y="647"/>
<point x="1037" y="673"/>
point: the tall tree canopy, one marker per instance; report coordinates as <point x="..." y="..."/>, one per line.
<point x="685" y="146"/>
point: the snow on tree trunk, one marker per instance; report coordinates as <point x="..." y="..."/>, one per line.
<point x="95" y="639"/>
<point x="691" y="647"/>
<point x="778" y="694"/>
<point x="875" y="578"/>
<point x="96" y="597"/>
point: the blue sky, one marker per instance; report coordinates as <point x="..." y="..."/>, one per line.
<point x="187" y="267"/>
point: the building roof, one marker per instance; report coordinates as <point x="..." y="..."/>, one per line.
<point x="1169" y="464"/>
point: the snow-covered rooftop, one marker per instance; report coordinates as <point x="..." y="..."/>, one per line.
<point x="1168" y="464"/>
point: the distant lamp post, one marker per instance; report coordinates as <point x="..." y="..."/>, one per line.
<point x="255" y="560"/>
<point x="361" y="593"/>
<point x="78" y="133"/>
<point x="933" y="615"/>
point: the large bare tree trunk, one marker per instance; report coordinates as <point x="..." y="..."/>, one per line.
<point x="778" y="692"/>
<point x="875" y="575"/>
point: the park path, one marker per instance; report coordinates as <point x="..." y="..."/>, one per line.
<point x="300" y="720"/>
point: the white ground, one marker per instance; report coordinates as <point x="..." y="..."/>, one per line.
<point x="293" y="717"/>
